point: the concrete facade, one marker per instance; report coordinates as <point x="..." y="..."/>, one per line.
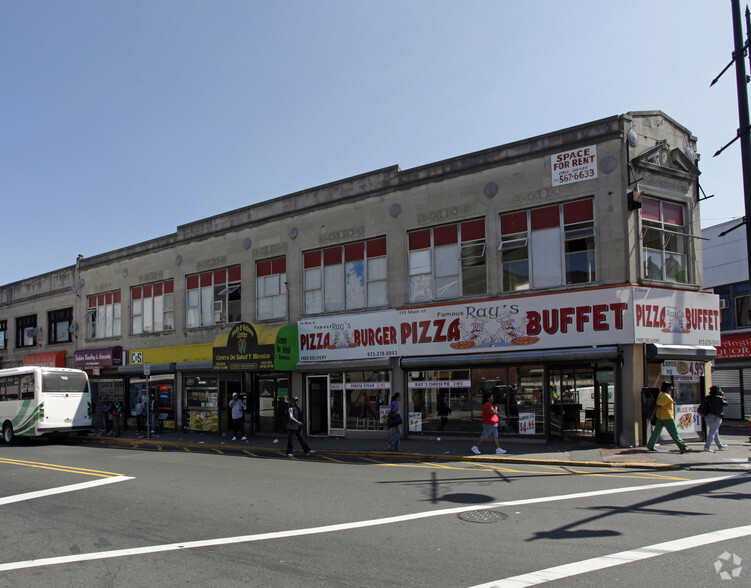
<point x="643" y="152"/>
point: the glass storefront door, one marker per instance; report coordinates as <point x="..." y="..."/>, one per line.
<point x="604" y="409"/>
<point x="318" y="405"/>
<point x="572" y="401"/>
<point x="273" y="402"/>
<point x="582" y="403"/>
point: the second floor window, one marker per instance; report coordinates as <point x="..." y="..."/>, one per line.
<point x="104" y="315"/>
<point x="346" y="277"/>
<point x="664" y="241"/>
<point x="3" y="334"/>
<point x="271" y="288"/>
<point x="742" y="311"/>
<point x="26" y="331"/>
<point x="447" y="261"/>
<point x="548" y="247"/>
<point x="213" y="297"/>
<point x="58" y="326"/>
<point x="152" y="307"/>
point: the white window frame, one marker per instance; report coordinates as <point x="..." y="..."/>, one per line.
<point x="154" y="313"/>
<point x="271" y="292"/>
<point x="441" y="272"/>
<point x="547" y="258"/>
<point x="666" y="232"/>
<point x="103" y="319"/>
<point x="202" y="303"/>
<point x="348" y="285"/>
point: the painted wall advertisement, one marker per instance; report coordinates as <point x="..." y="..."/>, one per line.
<point x="605" y="316"/>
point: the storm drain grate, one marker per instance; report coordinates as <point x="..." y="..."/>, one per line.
<point x="482" y="516"/>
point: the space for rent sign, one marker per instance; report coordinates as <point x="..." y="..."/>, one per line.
<point x="574" y="166"/>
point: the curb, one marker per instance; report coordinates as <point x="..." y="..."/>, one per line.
<point x="391" y="454"/>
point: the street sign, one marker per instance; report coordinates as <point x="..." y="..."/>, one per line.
<point x="146" y="369"/>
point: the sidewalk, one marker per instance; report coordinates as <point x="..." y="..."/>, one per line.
<point x="431" y="448"/>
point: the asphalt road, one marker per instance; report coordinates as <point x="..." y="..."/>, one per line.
<point x="96" y="516"/>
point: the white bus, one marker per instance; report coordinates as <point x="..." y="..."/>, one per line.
<point x="36" y="401"/>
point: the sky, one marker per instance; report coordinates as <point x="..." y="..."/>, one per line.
<point x="122" y="120"/>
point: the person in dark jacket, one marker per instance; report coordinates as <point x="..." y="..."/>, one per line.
<point x="716" y="404"/>
<point x="294" y="428"/>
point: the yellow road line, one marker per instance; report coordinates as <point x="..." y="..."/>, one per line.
<point x="58" y="468"/>
<point x="331" y="459"/>
<point x="564" y="471"/>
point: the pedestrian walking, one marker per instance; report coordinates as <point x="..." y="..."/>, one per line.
<point x="664" y="414"/>
<point x="715" y="403"/>
<point x="117" y="418"/>
<point x="394" y="422"/>
<point x="237" y="407"/>
<point x="106" y="408"/>
<point x="489" y="424"/>
<point x="295" y="424"/>
<point x="138" y="412"/>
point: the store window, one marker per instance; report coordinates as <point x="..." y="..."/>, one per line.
<point x="213" y="297"/>
<point x="346" y="277"/>
<point x="547" y="247"/>
<point x="26" y="331"/>
<point x="159" y="400"/>
<point x="103" y="318"/>
<point x="428" y="392"/>
<point x="58" y="326"/>
<point x="743" y="311"/>
<point x="450" y="401"/>
<point x="665" y="241"/>
<point x="447" y="261"/>
<point x="105" y="390"/>
<point x="365" y="392"/>
<point x="201" y="403"/>
<point x="152" y="307"/>
<point x="3" y="334"/>
<point x="271" y="288"/>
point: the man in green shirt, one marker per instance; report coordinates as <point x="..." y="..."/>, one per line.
<point x="664" y="414"/>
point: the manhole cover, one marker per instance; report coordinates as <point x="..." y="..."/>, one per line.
<point x="482" y="516"/>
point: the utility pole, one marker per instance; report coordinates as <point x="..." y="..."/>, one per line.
<point x="743" y="118"/>
<point x="744" y="129"/>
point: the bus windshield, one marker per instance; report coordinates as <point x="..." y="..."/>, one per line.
<point x="64" y="382"/>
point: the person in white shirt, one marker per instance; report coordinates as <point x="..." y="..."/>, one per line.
<point x="238" y="416"/>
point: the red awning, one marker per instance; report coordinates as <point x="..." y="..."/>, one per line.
<point x="51" y="359"/>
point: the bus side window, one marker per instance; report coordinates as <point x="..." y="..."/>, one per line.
<point x="27" y="387"/>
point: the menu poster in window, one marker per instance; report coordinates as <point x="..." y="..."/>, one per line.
<point x="527" y="423"/>
<point x="687" y="420"/>
<point x="683" y="371"/>
<point x="415" y="422"/>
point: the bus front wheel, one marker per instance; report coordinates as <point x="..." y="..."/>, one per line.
<point x="8" y="433"/>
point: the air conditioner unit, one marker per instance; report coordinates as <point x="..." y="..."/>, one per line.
<point x="723" y="303"/>
<point x="218" y="312"/>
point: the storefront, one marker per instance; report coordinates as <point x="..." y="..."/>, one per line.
<point x="732" y="372"/>
<point x="107" y="386"/>
<point x="49" y="359"/>
<point x="185" y="368"/>
<point x="255" y="361"/>
<point x="566" y="365"/>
